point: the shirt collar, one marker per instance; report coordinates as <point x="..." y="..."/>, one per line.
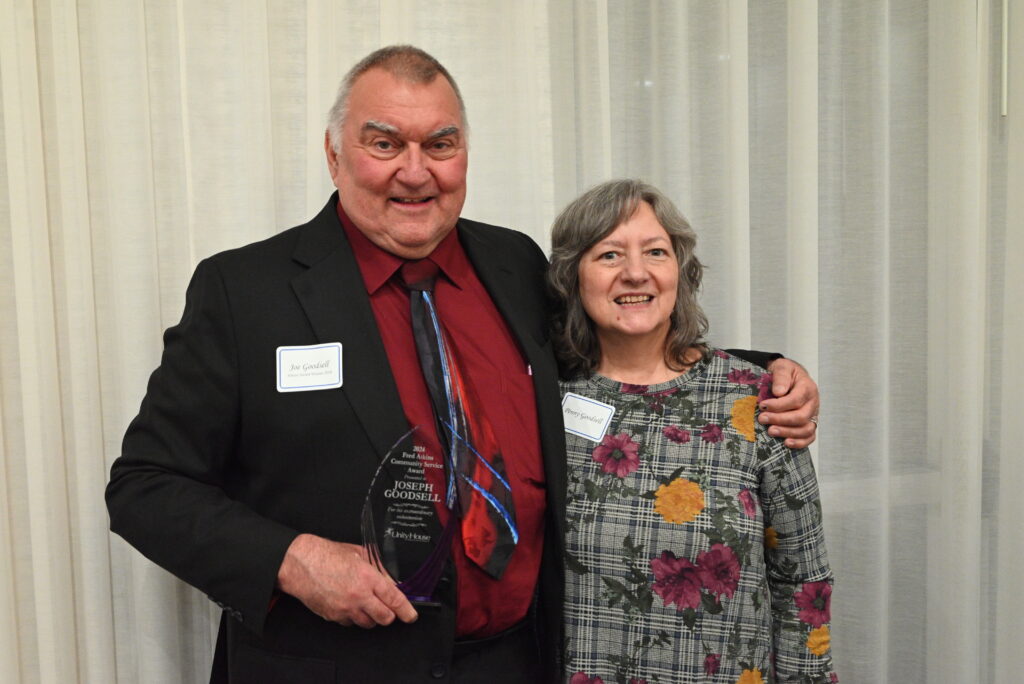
<point x="377" y="265"/>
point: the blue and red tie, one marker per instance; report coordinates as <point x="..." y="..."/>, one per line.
<point x="478" y="489"/>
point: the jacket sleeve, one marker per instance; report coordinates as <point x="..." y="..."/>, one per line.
<point x="799" y="577"/>
<point x="758" y="358"/>
<point x="166" y="494"/>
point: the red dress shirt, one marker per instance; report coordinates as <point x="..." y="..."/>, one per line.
<point x="488" y="355"/>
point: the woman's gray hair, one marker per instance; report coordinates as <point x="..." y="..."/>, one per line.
<point x="583" y="223"/>
<point x="402" y="61"/>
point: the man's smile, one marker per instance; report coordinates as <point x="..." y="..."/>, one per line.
<point x="411" y="200"/>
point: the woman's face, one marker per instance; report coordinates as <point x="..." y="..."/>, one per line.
<point x="628" y="280"/>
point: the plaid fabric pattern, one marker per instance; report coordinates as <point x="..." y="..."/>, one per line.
<point x="695" y="545"/>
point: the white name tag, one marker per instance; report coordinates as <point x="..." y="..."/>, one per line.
<point x="586" y="417"/>
<point x="313" y="367"/>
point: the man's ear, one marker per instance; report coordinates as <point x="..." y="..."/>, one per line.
<point x="332" y="156"/>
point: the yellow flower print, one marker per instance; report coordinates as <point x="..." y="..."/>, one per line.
<point x="771" y="538"/>
<point x="743" y="416"/>
<point x="819" y="640"/>
<point x="751" y="677"/>
<point x="679" y="501"/>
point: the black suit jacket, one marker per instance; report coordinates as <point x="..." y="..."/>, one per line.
<point x="219" y="472"/>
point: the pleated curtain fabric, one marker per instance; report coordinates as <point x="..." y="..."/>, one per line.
<point x="852" y="169"/>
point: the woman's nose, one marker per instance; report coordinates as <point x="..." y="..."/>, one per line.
<point x="634" y="269"/>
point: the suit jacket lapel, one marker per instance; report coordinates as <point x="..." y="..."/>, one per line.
<point x="333" y="296"/>
<point x="502" y="284"/>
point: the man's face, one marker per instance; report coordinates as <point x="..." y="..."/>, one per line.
<point x="401" y="169"/>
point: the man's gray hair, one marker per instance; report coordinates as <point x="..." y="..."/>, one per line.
<point x="582" y="224"/>
<point x="402" y="61"/>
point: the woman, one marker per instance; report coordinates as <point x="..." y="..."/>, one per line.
<point x="694" y="543"/>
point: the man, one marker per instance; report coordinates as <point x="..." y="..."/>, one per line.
<point x="250" y="489"/>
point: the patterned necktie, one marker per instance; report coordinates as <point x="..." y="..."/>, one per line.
<point x="478" y="488"/>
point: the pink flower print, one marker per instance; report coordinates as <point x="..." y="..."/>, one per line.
<point x="719" y="570"/>
<point x="617" y="455"/>
<point x="721" y="354"/>
<point x="584" y="678"/>
<point x="712" y="433"/>
<point x="764" y="387"/>
<point x="627" y="388"/>
<point x="711" y="663"/>
<point x="676" y="434"/>
<point x="676" y="580"/>
<point x="833" y="677"/>
<point x="741" y="377"/>
<point x="656" y="402"/>
<point x="749" y="505"/>
<point x="814" y="601"/>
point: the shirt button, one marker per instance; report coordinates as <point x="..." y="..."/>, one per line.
<point x="438" y="670"/>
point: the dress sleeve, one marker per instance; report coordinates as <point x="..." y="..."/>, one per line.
<point x="799" y="577"/>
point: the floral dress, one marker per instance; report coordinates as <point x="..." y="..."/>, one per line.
<point x="694" y="540"/>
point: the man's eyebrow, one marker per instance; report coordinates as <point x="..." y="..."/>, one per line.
<point x="442" y="132"/>
<point x="387" y="129"/>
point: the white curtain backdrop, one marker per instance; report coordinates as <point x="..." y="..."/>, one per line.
<point x="855" y="172"/>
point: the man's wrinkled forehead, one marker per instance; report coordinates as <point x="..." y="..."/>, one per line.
<point x="379" y="86"/>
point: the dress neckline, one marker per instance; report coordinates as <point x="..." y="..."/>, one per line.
<point x="694" y="373"/>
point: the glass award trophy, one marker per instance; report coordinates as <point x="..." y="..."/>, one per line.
<point x="402" y="533"/>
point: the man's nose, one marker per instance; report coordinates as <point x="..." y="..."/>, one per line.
<point x="413" y="171"/>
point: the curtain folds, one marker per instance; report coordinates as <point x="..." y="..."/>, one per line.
<point x="848" y="166"/>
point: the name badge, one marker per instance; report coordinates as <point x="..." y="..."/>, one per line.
<point x="586" y="417"/>
<point x="308" y="368"/>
